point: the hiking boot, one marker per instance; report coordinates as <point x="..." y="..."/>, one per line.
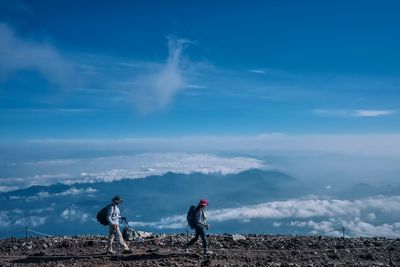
<point x="127" y="251"/>
<point x="109" y="251"/>
<point x="207" y="252"/>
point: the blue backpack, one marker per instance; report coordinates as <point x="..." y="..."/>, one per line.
<point x="102" y="215"/>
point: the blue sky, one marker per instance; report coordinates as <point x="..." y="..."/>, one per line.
<point x="101" y="91"/>
<point x="190" y="68"/>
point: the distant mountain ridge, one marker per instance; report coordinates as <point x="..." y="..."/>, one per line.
<point x="162" y="200"/>
<point x="149" y="198"/>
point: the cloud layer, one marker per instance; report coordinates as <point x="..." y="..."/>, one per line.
<point x="110" y="169"/>
<point x="320" y="216"/>
<point x="356" y="144"/>
<point x="70" y="192"/>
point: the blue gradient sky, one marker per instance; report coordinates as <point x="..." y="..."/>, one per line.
<point x="94" y="91"/>
<point x="181" y="68"/>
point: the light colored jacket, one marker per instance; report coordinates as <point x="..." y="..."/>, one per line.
<point x="201" y="218"/>
<point x="113" y="214"/>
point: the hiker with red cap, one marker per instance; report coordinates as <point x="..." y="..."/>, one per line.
<point x="200" y="226"/>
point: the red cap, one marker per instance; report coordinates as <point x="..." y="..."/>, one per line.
<point x="203" y="202"/>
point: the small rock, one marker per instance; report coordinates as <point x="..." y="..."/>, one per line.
<point x="367" y="256"/>
<point x="41" y="253"/>
<point x="237" y="237"/>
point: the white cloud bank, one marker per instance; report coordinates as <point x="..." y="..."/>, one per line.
<point x="70" y="192"/>
<point x="17" y="53"/>
<point x="310" y="208"/>
<point x="387" y="145"/>
<point x="110" y="169"/>
<point x="320" y="215"/>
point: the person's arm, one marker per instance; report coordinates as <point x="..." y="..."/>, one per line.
<point x="205" y="219"/>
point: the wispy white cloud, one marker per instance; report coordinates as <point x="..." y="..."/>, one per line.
<point x="173" y="222"/>
<point x="41" y="210"/>
<point x="17" y="53"/>
<point x="43" y="194"/>
<point x="372" y="113"/>
<point x="17" y="211"/>
<point x="73" y="213"/>
<point x="196" y="86"/>
<point x="275" y="73"/>
<point x="48" y="162"/>
<point x="353" y="113"/>
<point x="155" y="91"/>
<point x="32" y="221"/>
<point x="4" y="219"/>
<point x="46" y="110"/>
<point x="257" y="71"/>
<point x="276" y="224"/>
<point x="70" y="192"/>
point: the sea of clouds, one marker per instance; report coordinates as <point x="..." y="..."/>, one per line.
<point x="114" y="168"/>
<point x="315" y="214"/>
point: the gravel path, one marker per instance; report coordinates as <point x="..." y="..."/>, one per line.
<point x="228" y="250"/>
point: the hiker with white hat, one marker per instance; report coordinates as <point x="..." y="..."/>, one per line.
<point x="113" y="217"/>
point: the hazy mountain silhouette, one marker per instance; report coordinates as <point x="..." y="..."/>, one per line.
<point x="71" y="209"/>
<point x="150" y="198"/>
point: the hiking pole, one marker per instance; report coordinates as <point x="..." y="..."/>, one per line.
<point x="187" y="234"/>
<point x="134" y="231"/>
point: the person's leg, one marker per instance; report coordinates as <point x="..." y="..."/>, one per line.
<point x="203" y="236"/>
<point x="121" y="239"/>
<point x="110" y="238"/>
<point x="194" y="239"/>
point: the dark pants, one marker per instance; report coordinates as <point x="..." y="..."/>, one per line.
<point x="200" y="231"/>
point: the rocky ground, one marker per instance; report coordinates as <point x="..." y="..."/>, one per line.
<point x="228" y="250"/>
